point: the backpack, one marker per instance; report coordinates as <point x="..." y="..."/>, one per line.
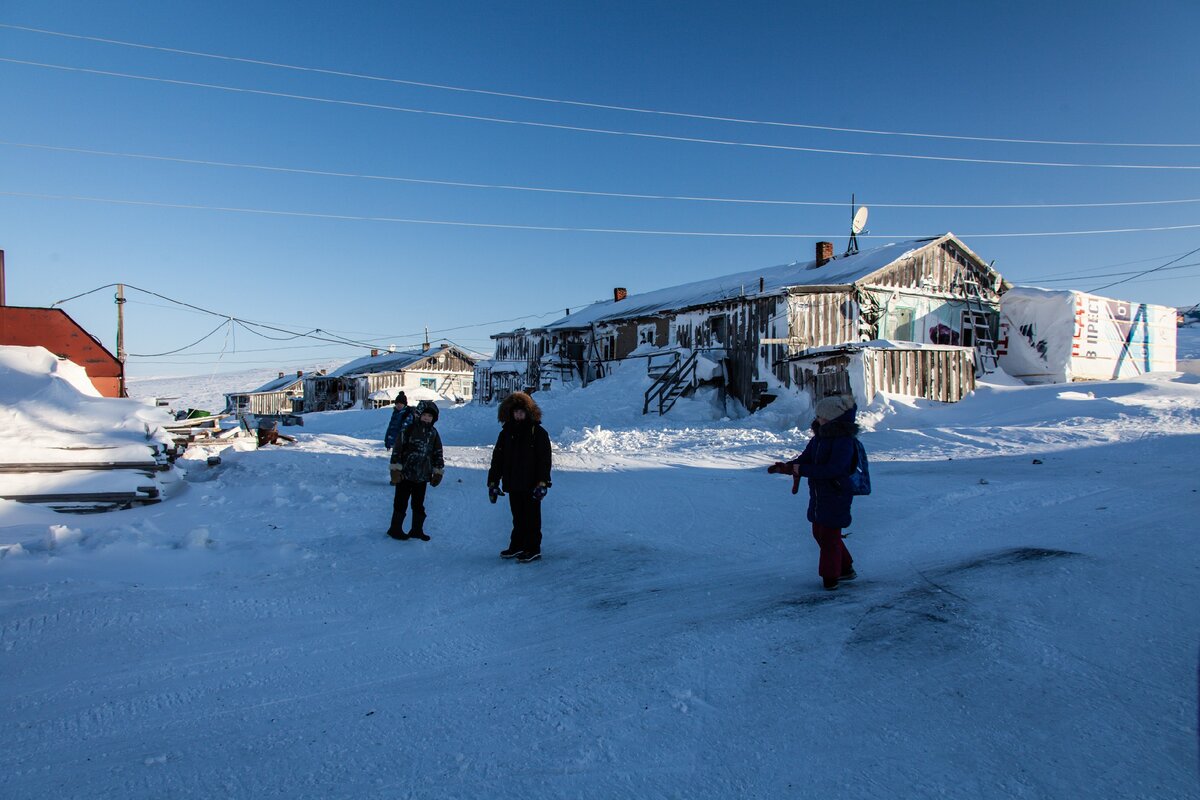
<point x="860" y="477"/>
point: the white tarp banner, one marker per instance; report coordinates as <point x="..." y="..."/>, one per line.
<point x="1052" y="336"/>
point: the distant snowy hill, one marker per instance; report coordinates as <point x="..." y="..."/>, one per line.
<point x="1187" y="342"/>
<point x="206" y="391"/>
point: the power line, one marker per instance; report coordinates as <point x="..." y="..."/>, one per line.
<point x="250" y="326"/>
<point x="1086" y="271"/>
<point x="1148" y="271"/>
<point x="1107" y="275"/>
<point x="244" y="322"/>
<point x="343" y="340"/>
<point x="185" y="347"/>
<point x="582" y="104"/>
<point x="579" y="192"/>
<point x="584" y="129"/>
<point x="567" y="229"/>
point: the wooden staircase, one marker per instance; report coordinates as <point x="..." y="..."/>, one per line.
<point x="671" y="384"/>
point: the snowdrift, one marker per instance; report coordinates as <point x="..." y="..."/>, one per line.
<point x="59" y="437"/>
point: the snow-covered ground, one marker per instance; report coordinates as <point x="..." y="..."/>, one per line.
<point x="1018" y="629"/>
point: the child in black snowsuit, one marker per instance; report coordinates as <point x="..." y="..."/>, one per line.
<point x="521" y="465"/>
<point x="416" y="462"/>
<point x="827" y="462"/>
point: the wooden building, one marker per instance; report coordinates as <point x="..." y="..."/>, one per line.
<point x="283" y="395"/>
<point x="373" y="381"/>
<point x="758" y="324"/>
<point x="53" y="329"/>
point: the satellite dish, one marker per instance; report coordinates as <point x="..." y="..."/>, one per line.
<point x="860" y="221"/>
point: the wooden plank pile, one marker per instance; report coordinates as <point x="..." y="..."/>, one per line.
<point x="86" y="486"/>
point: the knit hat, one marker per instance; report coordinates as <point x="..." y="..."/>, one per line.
<point x="402" y="399"/>
<point x="834" y="406"/>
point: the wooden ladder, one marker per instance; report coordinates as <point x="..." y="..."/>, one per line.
<point x="983" y="341"/>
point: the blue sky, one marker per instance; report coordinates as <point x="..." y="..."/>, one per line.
<point x="1013" y="71"/>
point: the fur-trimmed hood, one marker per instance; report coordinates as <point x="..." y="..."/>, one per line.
<point x="518" y="400"/>
<point x="842" y="425"/>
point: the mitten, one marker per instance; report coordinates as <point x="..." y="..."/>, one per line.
<point x="540" y="490"/>
<point x="436" y="478"/>
<point x="494" y="491"/>
<point x="778" y="468"/>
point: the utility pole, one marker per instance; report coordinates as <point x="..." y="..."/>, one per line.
<point x="121" y="333"/>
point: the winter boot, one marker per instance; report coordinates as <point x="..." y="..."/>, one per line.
<point x="511" y="552"/>
<point x="529" y="555"/>
<point x="422" y="535"/>
<point x="401" y="535"/>
<point x="830" y="583"/>
<point x="848" y="576"/>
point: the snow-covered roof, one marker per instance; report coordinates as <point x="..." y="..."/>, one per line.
<point x="393" y="362"/>
<point x="492" y="365"/>
<point x="384" y="362"/>
<point x="841" y="271"/>
<point x="276" y="385"/>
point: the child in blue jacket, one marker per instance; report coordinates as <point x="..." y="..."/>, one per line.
<point x="827" y="462"/>
<point x="402" y="417"/>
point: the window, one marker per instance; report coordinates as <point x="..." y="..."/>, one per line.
<point x="716" y="326"/>
<point x="901" y="324"/>
<point x="428" y="383"/>
<point x="647" y="333"/>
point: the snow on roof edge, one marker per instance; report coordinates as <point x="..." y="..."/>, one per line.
<point x="846" y="271"/>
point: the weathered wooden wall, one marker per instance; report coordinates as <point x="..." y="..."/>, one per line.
<point x="816" y="319"/>
<point x="943" y="374"/>
<point x="938" y="269"/>
<point x="947" y="375"/>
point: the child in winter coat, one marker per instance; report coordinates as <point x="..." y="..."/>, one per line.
<point x="827" y="462"/>
<point x="521" y="465"/>
<point x="402" y="417"/>
<point x="416" y="462"/>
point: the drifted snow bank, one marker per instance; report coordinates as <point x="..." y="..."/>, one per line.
<point x="606" y="415"/>
<point x="51" y="415"/>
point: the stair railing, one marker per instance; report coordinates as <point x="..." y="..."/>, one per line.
<point x="668" y="387"/>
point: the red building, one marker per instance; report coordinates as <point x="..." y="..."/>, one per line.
<point x="54" y="330"/>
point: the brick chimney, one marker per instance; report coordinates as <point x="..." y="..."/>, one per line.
<point x="619" y="294"/>
<point x="281" y="374"/>
<point x="1" y="277"/>
<point x="299" y="373"/>
<point x="374" y="352"/>
<point x="824" y="253"/>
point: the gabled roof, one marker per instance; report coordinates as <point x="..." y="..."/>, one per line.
<point x="58" y="332"/>
<point x="276" y="385"/>
<point x="841" y="271"/>
<point x="393" y="362"/>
